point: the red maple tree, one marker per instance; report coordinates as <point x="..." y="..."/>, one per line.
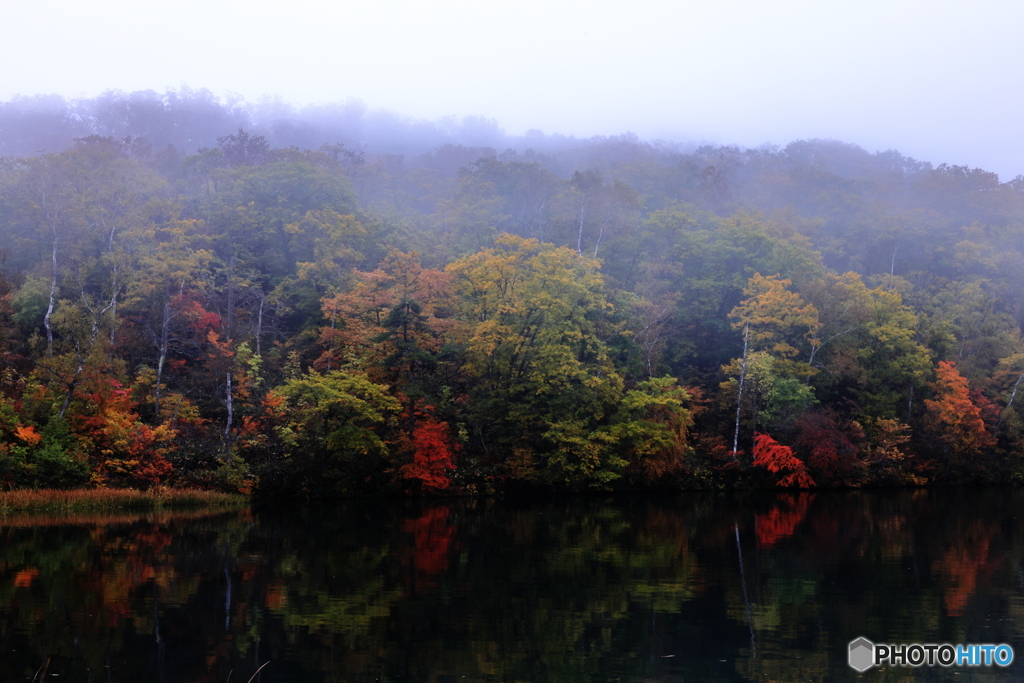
<point x="829" y="445"/>
<point x="779" y="459"/>
<point x="431" y="448"/>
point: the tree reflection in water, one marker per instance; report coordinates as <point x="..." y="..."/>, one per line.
<point x="688" y="587"/>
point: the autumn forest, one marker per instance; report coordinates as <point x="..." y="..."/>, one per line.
<point x="222" y="302"/>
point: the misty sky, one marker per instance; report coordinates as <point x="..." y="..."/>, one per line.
<point x="940" y="81"/>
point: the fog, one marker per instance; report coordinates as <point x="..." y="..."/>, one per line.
<point x="935" y="80"/>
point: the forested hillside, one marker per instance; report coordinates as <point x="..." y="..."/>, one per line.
<point x="254" y="306"/>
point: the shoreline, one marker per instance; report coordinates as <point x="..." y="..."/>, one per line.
<point x="73" y="500"/>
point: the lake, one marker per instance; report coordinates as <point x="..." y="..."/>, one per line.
<point x="688" y="587"/>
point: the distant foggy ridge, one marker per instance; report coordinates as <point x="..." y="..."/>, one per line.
<point x="192" y="119"/>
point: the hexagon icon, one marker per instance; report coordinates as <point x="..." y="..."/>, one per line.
<point x="862" y="654"/>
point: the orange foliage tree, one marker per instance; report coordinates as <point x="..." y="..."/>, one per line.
<point x="125" y="451"/>
<point x="955" y="422"/>
<point x="357" y="317"/>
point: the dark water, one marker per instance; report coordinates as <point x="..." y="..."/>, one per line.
<point x="697" y="587"/>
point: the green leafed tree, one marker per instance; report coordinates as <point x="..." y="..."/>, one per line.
<point x="651" y="430"/>
<point x="542" y="379"/>
<point x="331" y="430"/>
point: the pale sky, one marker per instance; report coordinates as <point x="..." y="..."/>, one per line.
<point x="940" y="81"/>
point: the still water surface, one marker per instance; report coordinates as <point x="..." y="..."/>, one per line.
<point x="695" y="587"/>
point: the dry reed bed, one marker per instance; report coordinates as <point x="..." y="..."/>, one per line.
<point x="46" y="500"/>
<point x="97" y="518"/>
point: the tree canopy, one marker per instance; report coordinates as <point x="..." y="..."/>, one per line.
<point x="606" y="314"/>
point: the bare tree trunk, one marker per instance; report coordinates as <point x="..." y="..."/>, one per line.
<point x="165" y="324"/>
<point x="231" y="414"/>
<point x="739" y="394"/>
<point x="817" y="347"/>
<point x="649" y="336"/>
<point x="230" y="335"/>
<point x="579" y="229"/>
<point x="53" y="296"/>
<point x="600" y="235"/>
<point x="115" y="277"/>
<point x="259" y="322"/>
<point x="1010" y="402"/>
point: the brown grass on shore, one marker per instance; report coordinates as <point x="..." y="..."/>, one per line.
<point x="48" y="500"/>
<point x="96" y="518"/>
